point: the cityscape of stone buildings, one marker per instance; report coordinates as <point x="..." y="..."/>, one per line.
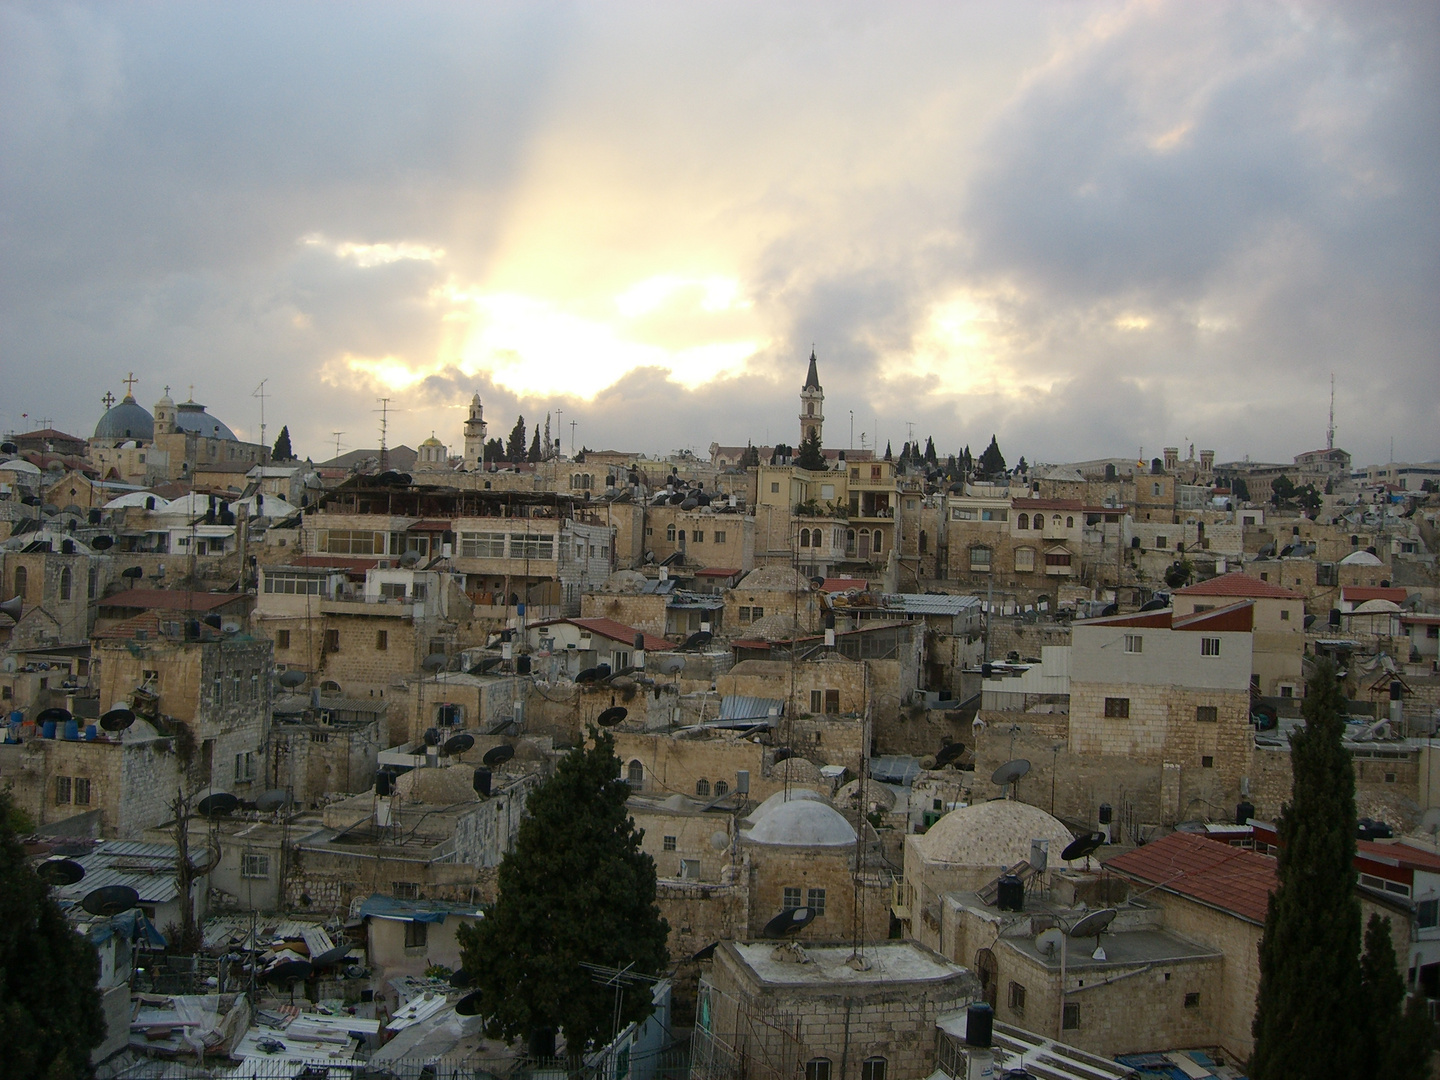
<point x="825" y="674"/>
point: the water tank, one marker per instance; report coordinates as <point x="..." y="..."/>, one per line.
<point x="522" y="665"/>
<point x="1106" y="814"/>
<point x="979" y="1025"/>
<point x="1244" y="812"/>
<point x="482" y="782"/>
<point x="1010" y="894"/>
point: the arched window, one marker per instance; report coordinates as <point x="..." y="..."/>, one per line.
<point x="809" y="408"/>
<point x="1024" y="522"/>
<point x="65" y="583"/>
<point x="849" y="541"/>
<point x="817" y="1069"/>
<point x="873" y="1068"/>
<point x="670" y="533"/>
<point x="702" y="788"/>
<point x="635" y="776"/>
<point x="1055" y="521"/>
<point x="722" y="788"/>
<point x="804" y="537"/>
<point x="1069" y="522"/>
<point x="1039" y="522"/>
<point x="22" y="578"/>
<point x="879" y="541"/>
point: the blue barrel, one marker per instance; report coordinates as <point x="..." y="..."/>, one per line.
<point x="47" y="729"/>
<point x="72" y="730"/>
<point x="91" y="732"/>
<point x="16" y="718"/>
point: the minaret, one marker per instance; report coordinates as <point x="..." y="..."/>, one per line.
<point x="812" y="403"/>
<point x="165" y="414"/>
<point x="475" y="435"/>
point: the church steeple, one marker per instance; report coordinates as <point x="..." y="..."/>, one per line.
<point x="812" y="403"/>
<point x="475" y="429"/>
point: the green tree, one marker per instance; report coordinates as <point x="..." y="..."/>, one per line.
<point x="1282" y="489"/>
<point x="576" y="888"/>
<point x="1396" y="1035"/>
<point x="992" y="461"/>
<point x="1305" y="1017"/>
<point x="931" y="457"/>
<point x="49" y="1004"/>
<point x="1022" y="467"/>
<point x="534" y="454"/>
<point x="282" y="451"/>
<point x="750" y="458"/>
<point x="889" y="456"/>
<point x="494" y="451"/>
<point x="1239" y="488"/>
<point x="515" y="448"/>
<point x="1308" y="497"/>
<point x="810" y="454"/>
<point x="1180" y="573"/>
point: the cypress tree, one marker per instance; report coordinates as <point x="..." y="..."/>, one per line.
<point x="888" y="455"/>
<point x="534" y="454"/>
<point x="576" y="888"/>
<point x="931" y="457"/>
<point x="1306" y="1016"/>
<point x="1396" y="1036"/>
<point x="49" y="1005"/>
<point x="992" y="461"/>
<point x="515" y="448"/>
<point x="810" y="456"/>
<point x="282" y="451"/>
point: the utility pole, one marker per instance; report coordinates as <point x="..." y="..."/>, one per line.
<point x="559" y="425"/>
<point x="259" y="392"/>
<point x="1330" y="431"/>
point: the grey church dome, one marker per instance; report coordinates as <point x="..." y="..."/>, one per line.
<point x="126" y="420"/>
<point x="191" y="416"/>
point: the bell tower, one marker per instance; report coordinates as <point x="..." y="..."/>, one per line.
<point x="475" y="435"/>
<point x="812" y="403"/>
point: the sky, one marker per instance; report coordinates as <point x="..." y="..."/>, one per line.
<point x="1091" y="229"/>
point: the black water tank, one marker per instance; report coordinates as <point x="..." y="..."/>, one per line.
<point x="1397" y="689"/>
<point x="1244" y="812"/>
<point x="522" y="665"/>
<point x="482" y="782"/>
<point x="1106" y="814"/>
<point x="979" y="1025"/>
<point x="384" y="783"/>
<point x="1010" y="895"/>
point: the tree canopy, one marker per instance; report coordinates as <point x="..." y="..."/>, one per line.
<point x="931" y="457"/>
<point x="1396" y="1036"/>
<point x="515" y="448"/>
<point x="282" y="451"/>
<point x="49" y="1004"/>
<point x="750" y="458"/>
<point x="992" y="461"/>
<point x="534" y="454"/>
<point x="576" y="888"/>
<point x="811" y="456"/>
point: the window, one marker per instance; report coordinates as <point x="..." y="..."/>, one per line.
<point x="744" y="614"/>
<point x="720" y="536"/>
<point x="635" y="775"/>
<point x="332" y="640"/>
<point x="254" y="684"/>
<point x="1071" y="1019"/>
<point x="351" y="542"/>
<point x="1206" y="714"/>
<point x="245" y="767"/>
<point x="1161" y="543"/>
<point x="1207" y="762"/>
<point x="1057" y="558"/>
<point x="722" y="788"/>
<point x="532" y="546"/>
<point x="405" y="890"/>
<point x="980" y="558"/>
<point x="698" y="536"/>
<point x="817" y="1069"/>
<point x="392" y="590"/>
<point x="62" y="791"/>
<point x="1427" y="914"/>
<point x="832" y="701"/>
<point x="670" y="534"/>
<point x="872" y="1068"/>
<point x="1069" y="522"/>
<point x="669" y="843"/>
<point x="792" y="898"/>
<point x="815" y="900"/>
<point x="282" y="639"/>
<point x="1134" y="643"/>
<point x="1024" y="522"/>
<point x="1156" y="488"/>
<point x="382" y="640"/>
<point x="1287" y="691"/>
<point x="1024" y="560"/>
<point x="757" y="613"/>
<point x="1192" y="1000"/>
<point x="690" y="869"/>
<point x="804" y="537"/>
<point x="255" y="866"/>
<point x="774" y="489"/>
<point x="1017" y="997"/>
<point x="1209" y="646"/>
<point x="22" y="578"/>
<point x="292" y="584"/>
<point x="1284" y="614"/>
<point x="702" y="788"/>
<point x="482" y="545"/>
<point x="1117" y="708"/>
<point x="416" y="934"/>
<point x="65" y="584"/>
<point x="82" y="791"/>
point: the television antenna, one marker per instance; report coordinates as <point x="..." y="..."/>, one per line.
<point x="384" y="412"/>
<point x="259" y="392"/>
<point x="619" y="978"/>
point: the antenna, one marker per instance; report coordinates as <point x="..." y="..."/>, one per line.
<point x="259" y="392"/>
<point x="337" y="435"/>
<point x="384" y="412"/>
<point x="572" y="437"/>
<point x="1330" y="431"/>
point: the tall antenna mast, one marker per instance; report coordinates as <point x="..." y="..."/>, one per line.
<point x="1330" y="431"/>
<point x="384" y="412"/>
<point x="337" y="435"/>
<point x="259" y="392"/>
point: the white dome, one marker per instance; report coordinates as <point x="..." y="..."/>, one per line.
<point x="1360" y="558"/>
<point x="780" y="798"/>
<point x="1370" y="607"/>
<point x="803" y="823"/>
<point x="273" y="507"/>
<point x="189" y="505"/>
<point x="19" y="465"/>
<point x="992" y="834"/>
<point x="133" y="498"/>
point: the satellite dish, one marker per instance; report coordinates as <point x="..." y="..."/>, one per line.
<point x="1083" y="847"/>
<point x="486" y="664"/>
<point x="790" y="921"/>
<point x="60" y="872"/>
<point x="218" y="804"/>
<point x="55" y="715"/>
<point x="110" y="900"/>
<point x="410" y="558"/>
<point x="498" y="755"/>
<point x="274" y="799"/>
<point x="783" y="754"/>
<point x="135" y="573"/>
<point x="117" y="719"/>
<point x="102" y="543"/>
<point x="611" y="717"/>
<point x="697" y="640"/>
<point x="458" y="744"/>
<point x="289" y="971"/>
<point x="292" y="677"/>
<point x="469" y="1005"/>
<point x="1050" y="942"/>
<point x="13" y="607"/>
<point x="589" y="675"/>
<point x="435" y="661"/>
<point x="669" y="665"/>
<point x="331" y="957"/>
<point x="719" y="841"/>
<point x="460" y="978"/>
<point x="1093" y="925"/>
<point x="948" y="753"/>
<point x="1010" y="772"/>
<point x="1154" y="605"/>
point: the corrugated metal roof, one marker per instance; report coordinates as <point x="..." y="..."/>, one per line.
<point x="737" y="707"/>
<point x="925" y="604"/>
<point x="149" y="869"/>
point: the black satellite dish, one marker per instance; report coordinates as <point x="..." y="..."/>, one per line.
<point x="783" y="754"/>
<point x="432" y="736"/>
<point x="498" y="755"/>
<point x="1083" y="846"/>
<point x="1010" y="772"/>
<point x="1154" y="605"/>
<point x="697" y="640"/>
<point x="56" y="715"/>
<point x="460" y="978"/>
<point x="331" y="957"/>
<point x="135" y="573"/>
<point x="288" y="971"/>
<point x="218" y="804"/>
<point x="59" y="872"/>
<point x="117" y="719"/>
<point x="292" y="677"/>
<point x="789" y="921"/>
<point x="948" y="753"/>
<point x="458" y="744"/>
<point x="110" y="900"/>
<point x="469" y="1005"/>
<point x="589" y="675"/>
<point x="1094" y="924"/>
<point x="486" y="664"/>
<point x="611" y="717"/>
<point x="274" y="799"/>
<point x="102" y="543"/>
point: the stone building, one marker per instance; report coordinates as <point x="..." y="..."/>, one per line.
<point x="1278" y="641"/>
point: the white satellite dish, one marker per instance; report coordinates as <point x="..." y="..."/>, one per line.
<point x="1050" y="941"/>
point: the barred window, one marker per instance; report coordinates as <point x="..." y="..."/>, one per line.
<point x="532" y="546"/>
<point x="792" y="898"/>
<point x="815" y="900"/>
<point x="1207" y="714"/>
<point x="1210" y="646"/>
<point x="1134" y="643"/>
<point x="255" y="866"/>
<point x="62" y="791"/>
<point x="1117" y="708"/>
<point x="1017" y="997"/>
<point x="669" y="844"/>
<point x="291" y="584"/>
<point x="82" y="791"/>
<point x="351" y="542"/>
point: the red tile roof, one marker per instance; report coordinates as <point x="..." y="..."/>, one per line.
<point x="171" y="600"/>
<point x="1239" y="616"/>
<point x="618" y="631"/>
<point x="1399" y="854"/>
<point x="1198" y="869"/>
<point x="844" y="584"/>
<point x="337" y="562"/>
<point x="1238" y="584"/>
<point x="1360" y="593"/>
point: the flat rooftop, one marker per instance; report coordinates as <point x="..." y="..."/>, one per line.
<point x="890" y="961"/>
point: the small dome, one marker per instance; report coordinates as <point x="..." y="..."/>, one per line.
<point x="191" y="416"/>
<point x="1360" y="558"/>
<point x="774" y="579"/>
<point x="803" y="823"/>
<point x="779" y="799"/>
<point x="133" y="498"/>
<point x="432" y="441"/>
<point x="19" y="465"/>
<point x="1372" y="607"/>
<point x="992" y="834"/>
<point x="127" y="420"/>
